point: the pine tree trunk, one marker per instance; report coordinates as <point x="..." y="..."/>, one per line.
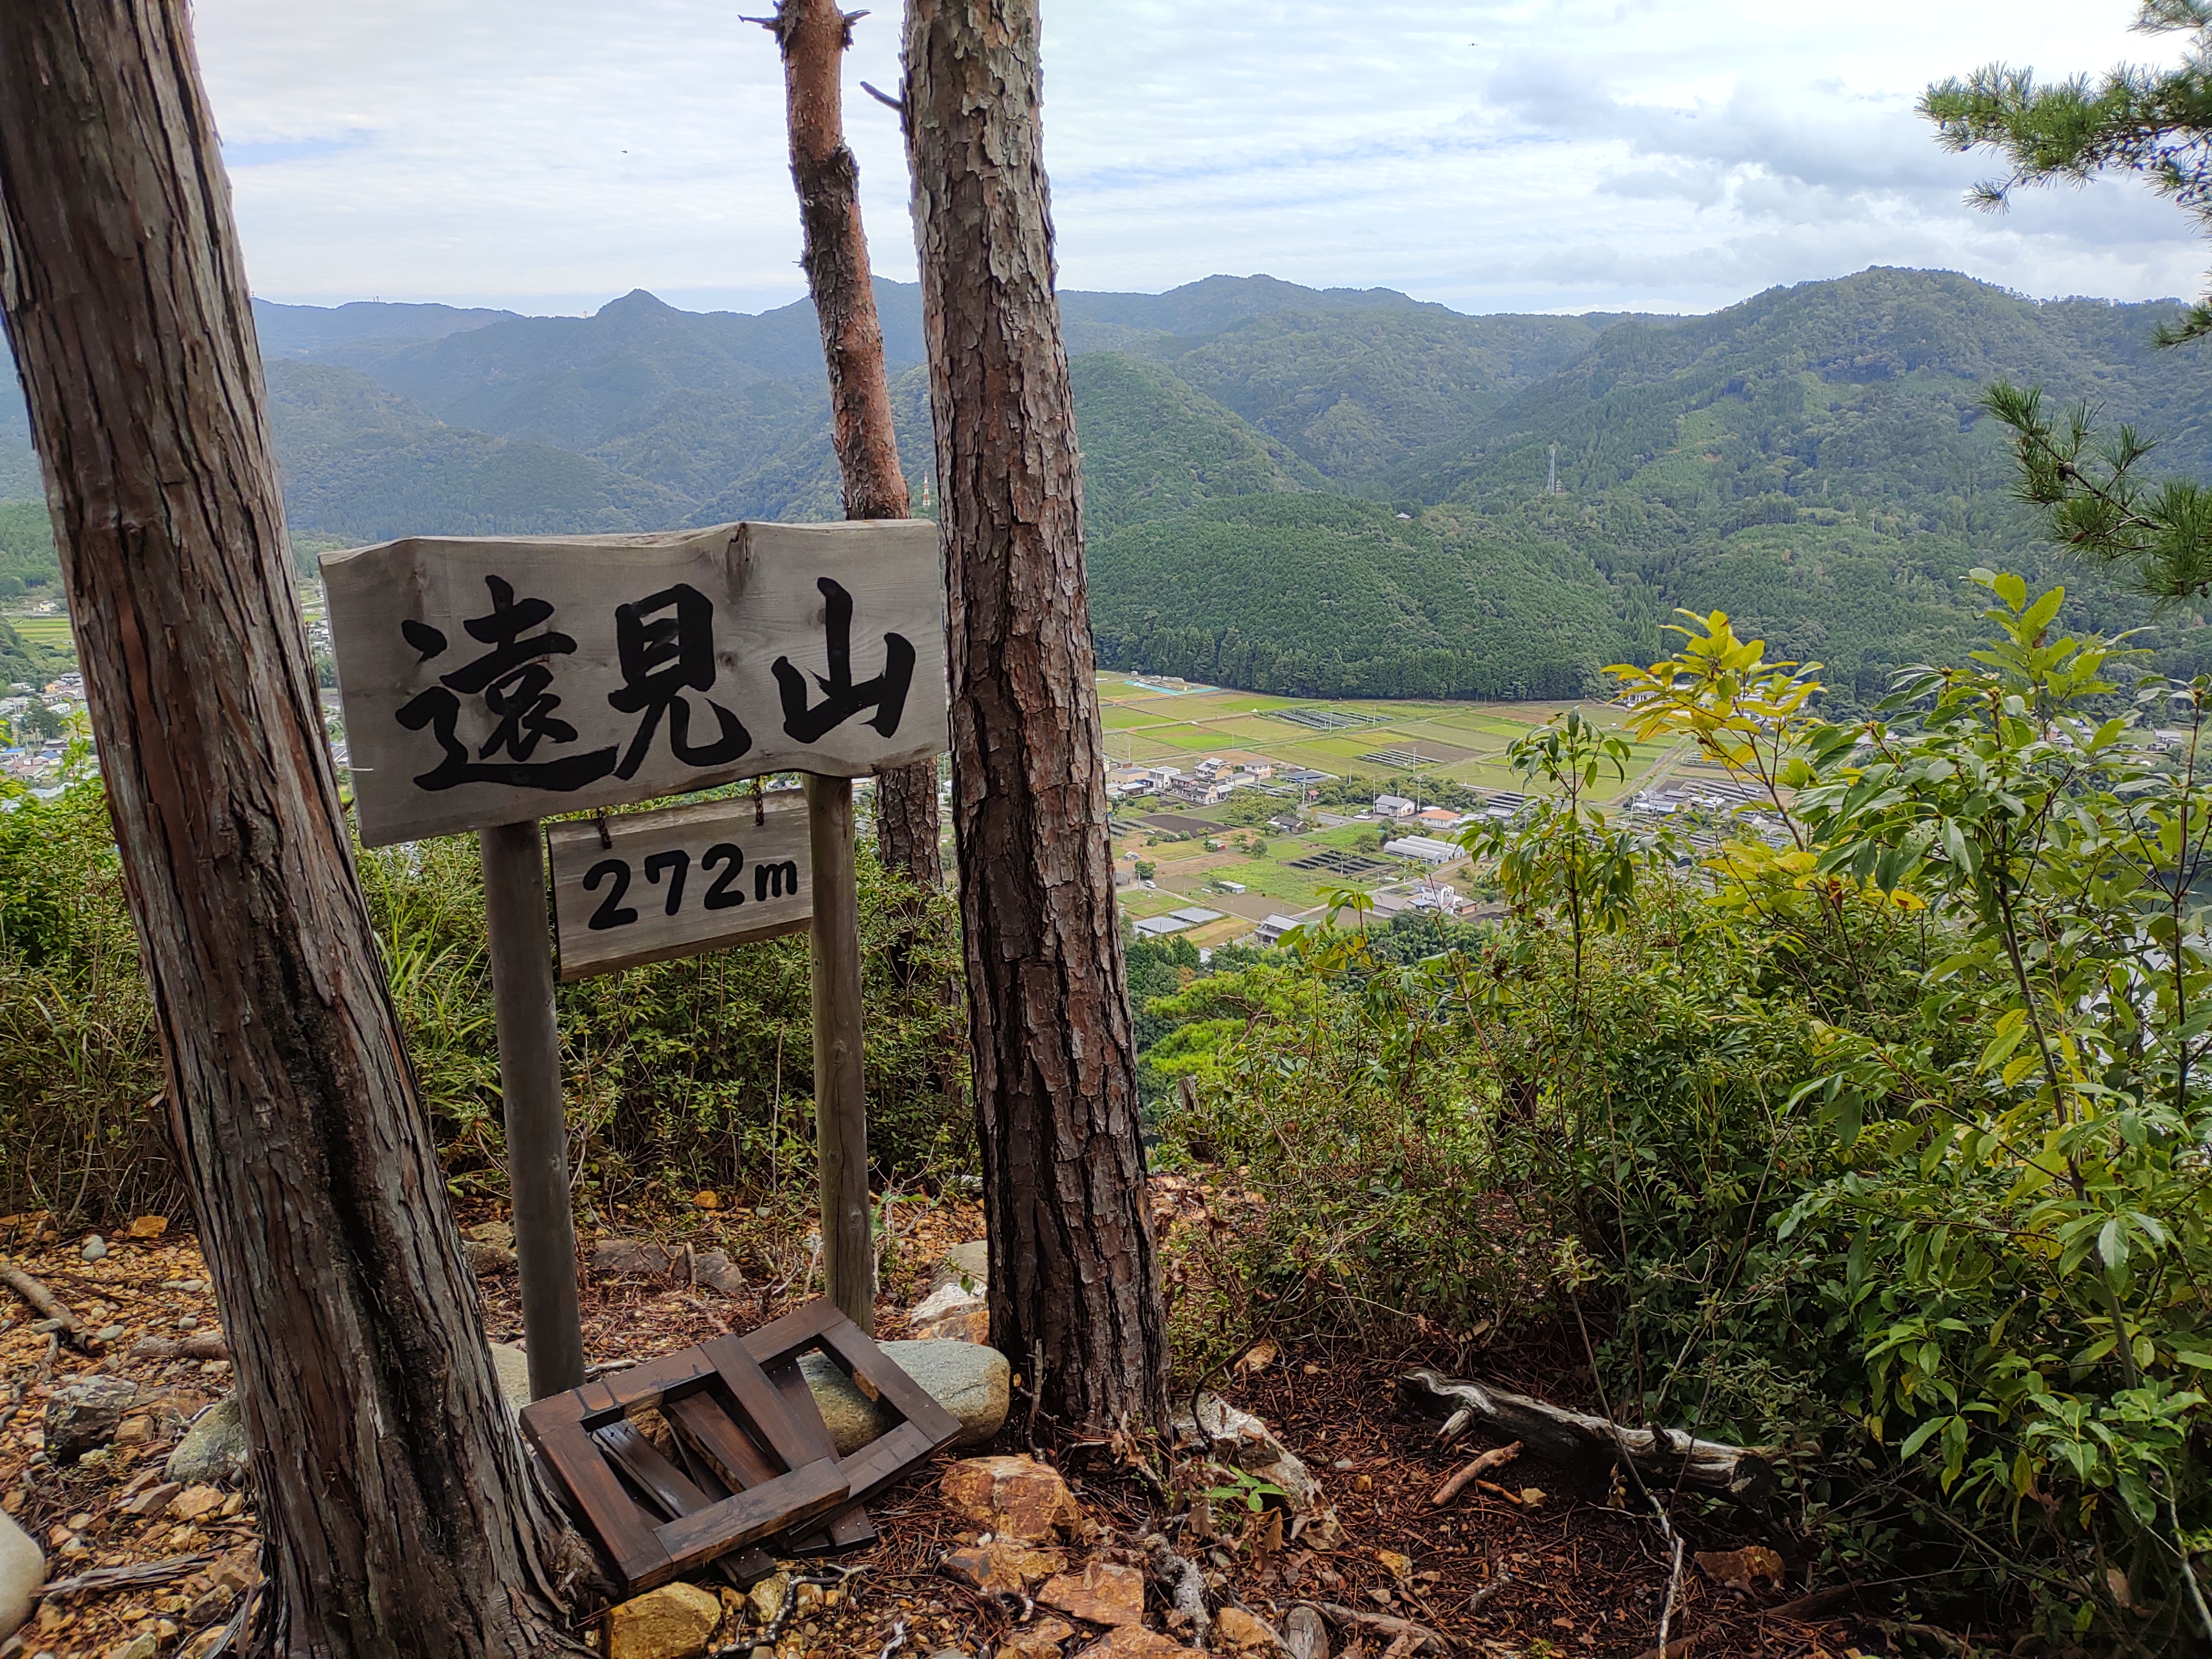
<point x="400" y="1515"/>
<point x="1075" y="1287"/>
<point x="813" y="35"/>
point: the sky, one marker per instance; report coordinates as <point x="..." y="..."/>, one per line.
<point x="1554" y="155"/>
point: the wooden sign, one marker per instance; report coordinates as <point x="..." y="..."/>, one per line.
<point x="636" y="887"/>
<point x="488" y="680"/>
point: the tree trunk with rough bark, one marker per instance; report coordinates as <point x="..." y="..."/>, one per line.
<point x="1074" y="1285"/>
<point x="400" y="1515"/>
<point x="813" y="35"/>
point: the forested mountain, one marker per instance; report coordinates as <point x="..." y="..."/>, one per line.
<point x="1306" y="491"/>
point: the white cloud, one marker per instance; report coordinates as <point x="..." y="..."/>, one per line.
<point x="1510" y="155"/>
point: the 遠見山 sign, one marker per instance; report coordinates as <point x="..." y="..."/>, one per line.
<point x="488" y="680"/>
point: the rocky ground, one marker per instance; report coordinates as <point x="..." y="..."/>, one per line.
<point x="1307" y="1526"/>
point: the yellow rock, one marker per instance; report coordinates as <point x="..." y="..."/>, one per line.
<point x="1004" y="1565"/>
<point x="1038" y="1641"/>
<point x="766" y="1598"/>
<point x="1102" y="1592"/>
<point x="1135" y="1642"/>
<point x="676" y="1621"/>
<point x="1014" y="1496"/>
<point x="1242" y="1629"/>
<point x="147" y="1226"/>
<point x="1401" y="1567"/>
<point x="706" y="1201"/>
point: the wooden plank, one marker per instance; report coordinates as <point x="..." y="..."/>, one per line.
<point x="677" y="1493"/>
<point x="908" y="1397"/>
<point x="841" y="1112"/>
<point x="636" y="887"/>
<point x="756" y="1398"/>
<point x="530" y="1092"/>
<point x="847" y="1528"/>
<point x="625" y="1528"/>
<point x="643" y="1385"/>
<point x="489" y="680"/>
<point x="747" y="1518"/>
<point x="708" y="1429"/>
<point x="639" y="1459"/>
<point x="780" y="1338"/>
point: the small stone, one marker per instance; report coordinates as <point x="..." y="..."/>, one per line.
<point x="766" y="1598"/>
<point x="189" y="1322"/>
<point x="1737" y="1569"/>
<point x="487" y="1261"/>
<point x="1243" y="1630"/>
<point x="1004" y="1565"/>
<point x="968" y="1266"/>
<point x="675" y="1621"/>
<point x="214" y="1603"/>
<point x="148" y="1226"/>
<point x="83" y="1415"/>
<point x="705" y="1201"/>
<point x="1014" y="1496"/>
<point x="715" y="1271"/>
<point x="1039" y="1641"/>
<point x="1102" y="1592"/>
<point x="498" y="1233"/>
<point x="108" y="1334"/>
<point x="94" y="1247"/>
<point x="23" y="1570"/>
<point x="144" y="1645"/>
<point x="195" y="1502"/>
<point x="1135" y="1642"/>
<point x="1400" y="1567"/>
<point x="214" y="1447"/>
<point x="134" y="1431"/>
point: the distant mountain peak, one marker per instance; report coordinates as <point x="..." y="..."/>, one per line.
<point x="637" y="303"/>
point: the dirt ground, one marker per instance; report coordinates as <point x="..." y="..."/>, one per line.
<point x="1584" y="1574"/>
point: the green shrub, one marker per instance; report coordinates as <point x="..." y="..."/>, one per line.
<point x="678" y="1074"/>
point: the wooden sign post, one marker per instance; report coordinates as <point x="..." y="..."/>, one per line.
<point x="489" y="681"/>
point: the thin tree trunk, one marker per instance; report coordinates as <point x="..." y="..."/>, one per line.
<point x="813" y="35"/>
<point x="1074" y="1288"/>
<point x="400" y="1515"/>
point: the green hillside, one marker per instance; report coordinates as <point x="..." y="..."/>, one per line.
<point x="1319" y="596"/>
<point x="1356" y="393"/>
<point x="1813" y="460"/>
<point x="365" y="464"/>
<point x="1153" y="446"/>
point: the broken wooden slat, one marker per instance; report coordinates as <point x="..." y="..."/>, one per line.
<point x="727" y="1450"/>
<point x="747" y="1518"/>
<point x="849" y="1529"/>
<point x="556" y="1432"/>
<point x="676" y="1493"/>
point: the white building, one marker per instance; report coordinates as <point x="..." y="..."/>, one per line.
<point x="1393" y="807"/>
<point x="1274" y="928"/>
<point x="1424" y="847"/>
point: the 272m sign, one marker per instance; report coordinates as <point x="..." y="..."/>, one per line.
<point x="636" y="887"/>
<point x="489" y="681"/>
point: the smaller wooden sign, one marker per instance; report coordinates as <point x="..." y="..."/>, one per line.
<point x="635" y="887"/>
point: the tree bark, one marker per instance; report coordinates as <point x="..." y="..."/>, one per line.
<point x="1074" y="1286"/>
<point x="813" y="35"/>
<point x="400" y="1514"/>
